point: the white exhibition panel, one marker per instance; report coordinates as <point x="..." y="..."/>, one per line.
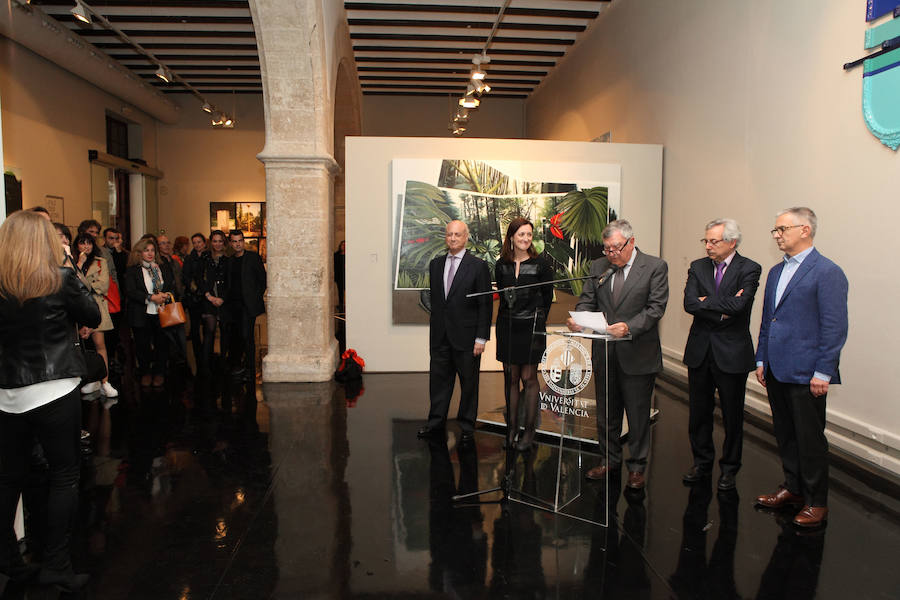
<point x="371" y="204"/>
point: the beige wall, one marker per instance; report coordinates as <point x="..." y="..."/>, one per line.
<point x="428" y="116"/>
<point x="756" y="114"/>
<point x="51" y="119"/>
<point x="204" y="165"/>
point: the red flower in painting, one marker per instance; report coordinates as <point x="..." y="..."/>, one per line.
<point x="554" y="226"/>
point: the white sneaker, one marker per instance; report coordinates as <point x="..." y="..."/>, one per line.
<point x="90" y="388"/>
<point x="108" y="390"/>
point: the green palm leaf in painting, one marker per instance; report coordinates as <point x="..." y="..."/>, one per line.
<point x="585" y="213"/>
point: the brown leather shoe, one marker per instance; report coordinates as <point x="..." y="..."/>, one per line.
<point x="780" y="498"/>
<point x="598" y="472"/>
<point x="636" y="480"/>
<point x="811" y="516"/>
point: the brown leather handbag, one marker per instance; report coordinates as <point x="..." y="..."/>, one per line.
<point x="171" y="313"/>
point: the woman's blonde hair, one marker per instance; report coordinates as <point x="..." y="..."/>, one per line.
<point x="31" y="257"/>
<point x="135" y="257"/>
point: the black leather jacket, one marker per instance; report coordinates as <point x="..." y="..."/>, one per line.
<point x="37" y="339"/>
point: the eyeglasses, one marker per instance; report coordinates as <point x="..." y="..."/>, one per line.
<point x="782" y="228"/>
<point x="613" y="251"/>
<point x="712" y="243"/>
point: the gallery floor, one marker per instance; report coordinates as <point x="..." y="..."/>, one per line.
<point x="236" y="491"/>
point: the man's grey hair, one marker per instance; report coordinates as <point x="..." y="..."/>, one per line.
<point x="731" y="232"/>
<point x="620" y="225"/>
<point x="802" y="216"/>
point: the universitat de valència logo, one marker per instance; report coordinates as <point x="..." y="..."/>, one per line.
<point x="566" y="370"/>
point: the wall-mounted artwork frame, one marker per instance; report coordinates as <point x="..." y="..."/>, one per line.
<point x="250" y="217"/>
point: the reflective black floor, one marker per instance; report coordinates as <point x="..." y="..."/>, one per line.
<point x="212" y="489"/>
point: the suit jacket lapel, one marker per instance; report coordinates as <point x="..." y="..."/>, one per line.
<point x="805" y="267"/>
<point x="636" y="271"/>
<point x="439" y="265"/>
<point x="460" y="269"/>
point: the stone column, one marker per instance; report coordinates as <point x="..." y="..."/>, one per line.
<point x="299" y="171"/>
<point x="302" y="346"/>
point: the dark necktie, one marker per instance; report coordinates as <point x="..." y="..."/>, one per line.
<point x="617" y="283"/>
<point x="720" y="272"/>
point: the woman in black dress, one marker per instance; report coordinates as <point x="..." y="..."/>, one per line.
<point x="521" y="314"/>
<point x="213" y="287"/>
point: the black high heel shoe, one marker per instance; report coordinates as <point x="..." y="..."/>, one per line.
<point x="526" y="441"/>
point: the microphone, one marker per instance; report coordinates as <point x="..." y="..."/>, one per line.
<point x="606" y="275"/>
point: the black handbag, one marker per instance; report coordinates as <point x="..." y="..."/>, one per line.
<point x="95" y="366"/>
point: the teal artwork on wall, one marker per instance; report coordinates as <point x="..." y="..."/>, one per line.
<point x="881" y="83"/>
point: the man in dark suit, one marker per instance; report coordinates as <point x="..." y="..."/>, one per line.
<point x="634" y="299"/>
<point x="459" y="328"/>
<point x="243" y="303"/>
<point x="719" y="350"/>
<point x="804" y="327"/>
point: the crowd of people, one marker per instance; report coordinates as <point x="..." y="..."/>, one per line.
<point x="63" y="299"/>
<point x="804" y="327"/>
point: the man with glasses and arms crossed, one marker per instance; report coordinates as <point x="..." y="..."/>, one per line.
<point x="633" y="299"/>
<point x="719" y="351"/>
<point x="804" y="327"/>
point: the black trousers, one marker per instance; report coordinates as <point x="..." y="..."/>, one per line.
<point x="446" y="365"/>
<point x="151" y="344"/>
<point x="57" y="426"/>
<point x="703" y="381"/>
<point x="196" y="320"/>
<point x="799" y="420"/>
<point x="618" y="394"/>
<point x="241" y="340"/>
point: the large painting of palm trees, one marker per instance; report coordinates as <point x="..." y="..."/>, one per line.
<point x="568" y="214"/>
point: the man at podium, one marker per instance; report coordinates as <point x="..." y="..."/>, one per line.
<point x="632" y="289"/>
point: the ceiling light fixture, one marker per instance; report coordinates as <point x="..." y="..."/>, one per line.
<point x="83" y="12"/>
<point x="164" y="74"/>
<point x="80" y="12"/>
<point x="469" y="102"/>
<point x="481" y="87"/>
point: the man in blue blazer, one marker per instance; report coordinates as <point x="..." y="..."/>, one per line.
<point x="719" y="352"/>
<point x="804" y="327"/>
<point x="459" y="328"/>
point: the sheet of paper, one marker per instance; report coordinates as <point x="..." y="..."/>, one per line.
<point x="589" y="320"/>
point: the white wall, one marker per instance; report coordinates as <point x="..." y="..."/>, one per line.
<point x="202" y="164"/>
<point x="388" y="347"/>
<point x="756" y="114"/>
<point x="51" y="118"/>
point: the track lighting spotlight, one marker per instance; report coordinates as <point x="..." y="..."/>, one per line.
<point x="80" y="12"/>
<point x="480" y="86"/>
<point x="228" y="123"/>
<point x="461" y="116"/>
<point x="206" y="107"/>
<point x="164" y="74"/>
<point x="218" y="120"/>
<point x="469" y="102"/>
<point x="477" y="74"/>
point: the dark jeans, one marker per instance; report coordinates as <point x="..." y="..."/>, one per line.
<point x="151" y="345"/>
<point x="57" y="426"/>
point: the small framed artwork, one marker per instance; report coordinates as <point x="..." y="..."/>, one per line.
<point x="56" y="206"/>
<point x="222" y="215"/>
<point x="249" y="218"/>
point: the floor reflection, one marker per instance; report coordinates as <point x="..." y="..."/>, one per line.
<point x="216" y="489"/>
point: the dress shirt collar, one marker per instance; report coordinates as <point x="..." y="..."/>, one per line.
<point x="799" y="257"/>
<point x="459" y="254"/>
